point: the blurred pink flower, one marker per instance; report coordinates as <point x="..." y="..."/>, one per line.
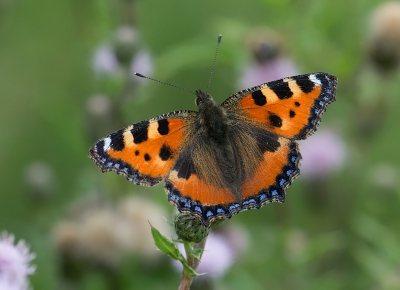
<point x="266" y="71"/>
<point x="7" y="285"/>
<point x="14" y="263"/>
<point x="142" y="63"/>
<point x="322" y="154"/>
<point x="222" y="249"/>
<point x="125" y="50"/>
<point x="105" y="61"/>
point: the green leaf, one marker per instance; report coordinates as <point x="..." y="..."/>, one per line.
<point x="168" y="247"/>
<point x="165" y="245"/>
<point x="190" y="270"/>
<point x="178" y="241"/>
<point x="197" y="253"/>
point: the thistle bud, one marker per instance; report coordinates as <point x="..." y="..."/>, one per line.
<point x="190" y="228"/>
<point x="384" y="37"/>
<point x="265" y="45"/>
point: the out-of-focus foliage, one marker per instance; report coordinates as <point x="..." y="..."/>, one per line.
<point x="66" y="80"/>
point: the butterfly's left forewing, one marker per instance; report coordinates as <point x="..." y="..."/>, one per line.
<point x="144" y="152"/>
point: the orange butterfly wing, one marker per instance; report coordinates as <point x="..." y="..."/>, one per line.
<point x="144" y="152"/>
<point x="290" y="107"/>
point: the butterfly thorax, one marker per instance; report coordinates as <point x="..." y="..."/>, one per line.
<point x="212" y="118"/>
<point x="215" y="156"/>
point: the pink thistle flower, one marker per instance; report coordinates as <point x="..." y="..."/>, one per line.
<point x="125" y="51"/>
<point x="105" y="61"/>
<point x="14" y="263"/>
<point x="141" y="63"/>
<point x="322" y="154"/>
<point x="267" y="71"/>
<point x="222" y="249"/>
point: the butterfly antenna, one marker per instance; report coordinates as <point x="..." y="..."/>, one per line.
<point x="215" y="59"/>
<point x="164" y="83"/>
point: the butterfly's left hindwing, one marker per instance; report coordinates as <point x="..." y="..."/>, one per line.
<point x="144" y="152"/>
<point x="290" y="107"/>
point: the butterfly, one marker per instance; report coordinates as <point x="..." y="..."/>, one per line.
<point x="224" y="158"/>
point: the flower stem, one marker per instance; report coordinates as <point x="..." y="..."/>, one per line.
<point x="192" y="261"/>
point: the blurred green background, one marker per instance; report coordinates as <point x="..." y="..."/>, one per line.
<point x="337" y="230"/>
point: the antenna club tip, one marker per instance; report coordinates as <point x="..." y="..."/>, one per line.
<point x="219" y="38"/>
<point x="139" y="75"/>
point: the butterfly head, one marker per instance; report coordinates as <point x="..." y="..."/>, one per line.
<point x="203" y="99"/>
<point x="212" y="118"/>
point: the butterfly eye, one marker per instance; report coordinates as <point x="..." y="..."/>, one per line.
<point x="197" y="101"/>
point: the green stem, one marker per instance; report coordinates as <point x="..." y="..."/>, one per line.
<point x="192" y="261"/>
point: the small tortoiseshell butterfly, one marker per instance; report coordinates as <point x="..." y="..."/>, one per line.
<point x="225" y="158"/>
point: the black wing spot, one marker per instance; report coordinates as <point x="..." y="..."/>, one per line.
<point x="165" y="153"/>
<point x="184" y="167"/>
<point x="297" y="104"/>
<point x="147" y="157"/>
<point x="305" y="84"/>
<point x="281" y="89"/>
<point x="292" y="113"/>
<point x="137" y="152"/>
<point x="117" y="140"/>
<point x="259" y="98"/>
<point x="275" y="120"/>
<point x="163" y="128"/>
<point x="140" y="132"/>
<point x="267" y="141"/>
